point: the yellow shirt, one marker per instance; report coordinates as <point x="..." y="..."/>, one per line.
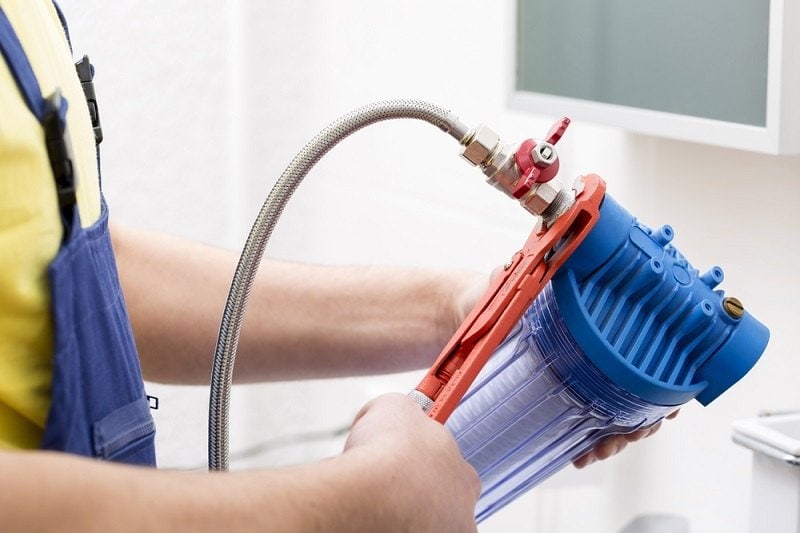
<point x="30" y="227"/>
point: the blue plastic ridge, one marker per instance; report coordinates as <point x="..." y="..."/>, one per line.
<point x="648" y="319"/>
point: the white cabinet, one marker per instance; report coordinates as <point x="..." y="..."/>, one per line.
<point x="712" y="72"/>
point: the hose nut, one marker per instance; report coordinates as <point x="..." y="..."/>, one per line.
<point x="540" y="197"/>
<point x="480" y="145"/>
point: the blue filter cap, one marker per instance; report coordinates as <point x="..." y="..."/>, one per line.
<point x="648" y="319"/>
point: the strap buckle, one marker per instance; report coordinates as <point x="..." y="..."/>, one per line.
<point x="59" y="148"/>
<point x="86" y="76"/>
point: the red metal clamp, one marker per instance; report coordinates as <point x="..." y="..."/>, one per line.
<point x="507" y="298"/>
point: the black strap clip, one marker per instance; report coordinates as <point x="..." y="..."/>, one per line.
<point x="86" y="75"/>
<point x="59" y="149"/>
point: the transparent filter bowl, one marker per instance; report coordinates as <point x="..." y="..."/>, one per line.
<point x="538" y="404"/>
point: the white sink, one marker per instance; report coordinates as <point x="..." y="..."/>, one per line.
<point x="775" y="489"/>
<point x="777" y="436"/>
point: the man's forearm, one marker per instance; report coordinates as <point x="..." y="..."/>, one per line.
<point x="59" y="492"/>
<point x="302" y="321"/>
<point x="381" y="482"/>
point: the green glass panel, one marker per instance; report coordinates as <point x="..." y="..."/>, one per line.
<point x="704" y="58"/>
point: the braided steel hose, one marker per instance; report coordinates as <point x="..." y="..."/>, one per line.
<point x="301" y="165"/>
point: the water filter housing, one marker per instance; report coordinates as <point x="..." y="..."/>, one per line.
<point x="626" y="331"/>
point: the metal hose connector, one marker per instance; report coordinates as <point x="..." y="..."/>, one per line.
<point x="304" y="161"/>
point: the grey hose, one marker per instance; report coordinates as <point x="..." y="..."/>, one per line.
<point x="304" y="161"/>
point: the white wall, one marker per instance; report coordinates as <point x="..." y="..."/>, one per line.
<point x="204" y="103"/>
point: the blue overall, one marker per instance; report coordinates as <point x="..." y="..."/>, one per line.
<point x="99" y="407"/>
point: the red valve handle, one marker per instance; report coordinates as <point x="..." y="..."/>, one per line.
<point x="531" y="158"/>
<point x="557" y="130"/>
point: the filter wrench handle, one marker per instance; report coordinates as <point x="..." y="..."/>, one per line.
<point x="505" y="301"/>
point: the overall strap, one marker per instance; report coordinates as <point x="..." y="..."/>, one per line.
<point x="51" y="112"/>
<point x="21" y="68"/>
<point x="63" y="21"/>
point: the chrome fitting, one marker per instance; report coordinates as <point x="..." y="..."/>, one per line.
<point x="480" y="144"/>
<point x="455" y="127"/>
<point x="501" y="170"/>
<point x="498" y="162"/>
<point x="549" y="200"/>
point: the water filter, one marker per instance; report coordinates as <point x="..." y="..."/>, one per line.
<point x="626" y="331"/>
<point x="597" y="326"/>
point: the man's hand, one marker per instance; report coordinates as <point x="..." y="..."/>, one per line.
<point x="614" y="444"/>
<point x="425" y="483"/>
